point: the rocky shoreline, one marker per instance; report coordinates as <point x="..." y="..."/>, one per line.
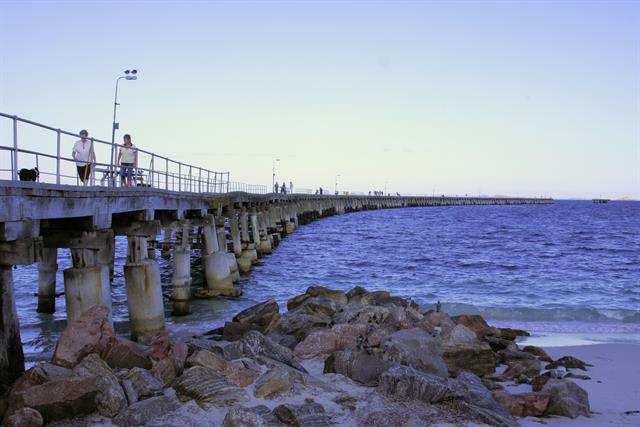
<point x="353" y="358"/>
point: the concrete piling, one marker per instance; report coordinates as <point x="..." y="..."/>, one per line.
<point x="216" y="264"/>
<point x="11" y="354"/>
<point x="86" y="283"/>
<point x="181" y="278"/>
<point x="47" y="269"/>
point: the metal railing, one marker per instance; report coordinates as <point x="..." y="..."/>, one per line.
<point x="152" y="170"/>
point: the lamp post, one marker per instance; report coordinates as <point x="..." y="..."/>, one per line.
<point x="273" y="175"/>
<point x="335" y="190"/>
<point x="128" y="75"/>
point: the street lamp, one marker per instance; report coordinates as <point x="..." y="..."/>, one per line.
<point x="128" y="75"/>
<point x="273" y="175"/>
<point x="336" y="187"/>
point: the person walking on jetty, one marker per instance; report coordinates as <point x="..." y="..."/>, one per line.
<point x="84" y="156"/>
<point x="283" y="190"/>
<point x="276" y="187"/>
<point x="291" y="187"/>
<point x="128" y="161"/>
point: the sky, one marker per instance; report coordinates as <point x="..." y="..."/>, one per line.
<point x="519" y="98"/>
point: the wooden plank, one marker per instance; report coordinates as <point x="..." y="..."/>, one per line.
<point x="21" y="252"/>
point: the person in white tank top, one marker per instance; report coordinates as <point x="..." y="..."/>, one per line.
<point x="128" y="161"/>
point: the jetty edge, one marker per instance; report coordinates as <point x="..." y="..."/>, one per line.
<point x="333" y="358"/>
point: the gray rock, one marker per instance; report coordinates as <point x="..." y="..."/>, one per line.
<point x="568" y="362"/>
<point x="142" y="412"/>
<point x="25" y="417"/>
<point x="187" y="415"/>
<point x="208" y="388"/>
<point x="566" y="399"/>
<point x="487" y="409"/>
<point x="404" y="382"/>
<point x="299" y="323"/>
<point x="320" y="306"/>
<point x="415" y="348"/>
<point x="463" y="351"/>
<point x="255" y="344"/>
<point x="360" y="367"/>
<point x="111" y="398"/>
<point x="207" y="359"/>
<point x="309" y="414"/>
<point x="357" y="313"/>
<point x="144" y="383"/>
<point x="261" y="315"/>
<point x="258" y="416"/>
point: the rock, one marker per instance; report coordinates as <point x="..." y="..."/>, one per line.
<point x="464" y="352"/>
<point x="25" y="417"/>
<point x="566" y="399"/>
<point x="568" y="362"/>
<point x="165" y="371"/>
<point x="475" y="322"/>
<point x="144" y="383"/>
<point x="508" y="356"/>
<point x="295" y="302"/>
<point x="276" y="381"/>
<point x="255" y="344"/>
<point x="528" y="368"/>
<point x="491" y="385"/>
<point x="299" y="323"/>
<point x="179" y="353"/>
<point x="538" y="382"/>
<point x="187" y="415"/>
<point x="523" y="404"/>
<point x="356" y="313"/>
<point x="320" y="342"/>
<point x="355" y="292"/>
<point x="309" y="414"/>
<point x="320" y="291"/>
<point x="207" y="359"/>
<point x="110" y="399"/>
<point x="208" y="388"/>
<point x="404" y="382"/>
<point x="350" y="334"/>
<point x="40" y="374"/>
<point x="88" y="334"/>
<point x="477" y="395"/>
<point x="320" y="306"/>
<point x="234" y="331"/>
<point x="360" y="367"/>
<point x="499" y="344"/>
<point x="262" y="316"/>
<point x="62" y="398"/>
<point x="577" y="376"/>
<point x="125" y="354"/>
<point x="140" y="413"/>
<point x="510" y="334"/>
<point x="433" y="319"/>
<point x="415" y="348"/>
<point x="285" y="340"/>
<point x="160" y="346"/>
<point x="242" y="372"/>
<point x="258" y="416"/>
<point x="537" y="351"/>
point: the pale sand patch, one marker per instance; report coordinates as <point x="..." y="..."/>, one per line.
<point x="614" y="387"/>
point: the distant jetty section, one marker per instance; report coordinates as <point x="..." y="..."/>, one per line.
<point x="232" y="229"/>
<point x="598" y="201"/>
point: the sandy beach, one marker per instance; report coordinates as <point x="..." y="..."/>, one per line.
<point x="614" y="388"/>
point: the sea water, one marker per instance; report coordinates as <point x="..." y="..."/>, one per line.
<point x="568" y="272"/>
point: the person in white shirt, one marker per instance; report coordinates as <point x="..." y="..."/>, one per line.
<point x="84" y="156"/>
<point x="128" y="160"/>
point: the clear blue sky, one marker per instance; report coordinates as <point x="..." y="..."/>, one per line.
<point x="518" y="98"/>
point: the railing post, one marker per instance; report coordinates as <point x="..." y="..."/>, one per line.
<point x="208" y="180"/>
<point x="152" y="172"/>
<point x="199" y="180"/>
<point x="179" y="176"/>
<point x="166" y="175"/>
<point x="58" y="157"/>
<point x="14" y="167"/>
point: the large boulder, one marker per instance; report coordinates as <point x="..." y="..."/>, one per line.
<point x="299" y="323"/>
<point x="60" y="399"/>
<point x="566" y="399"/>
<point x="160" y="346"/>
<point x="351" y="335"/>
<point x="125" y="354"/>
<point x="404" y="382"/>
<point x="523" y="404"/>
<point x="360" y="367"/>
<point x="486" y="409"/>
<point x="207" y="359"/>
<point x="320" y="306"/>
<point x="309" y="414"/>
<point x="187" y="415"/>
<point x="276" y="381"/>
<point x="509" y="333"/>
<point x="528" y="368"/>
<point x="90" y="333"/>
<point x="165" y="371"/>
<point x="475" y="322"/>
<point x="208" y="388"/>
<point x="568" y="362"/>
<point x="537" y="351"/>
<point x="255" y="344"/>
<point x="463" y="351"/>
<point x="432" y="321"/>
<point x="142" y="383"/>
<point x="141" y="413"/>
<point x="263" y="316"/>
<point x="416" y="348"/>
<point x="40" y="374"/>
<point x="258" y="416"/>
<point x="242" y="372"/>
<point x="320" y="342"/>
<point x="357" y="313"/>
<point x="317" y="291"/>
<point x="110" y="399"/>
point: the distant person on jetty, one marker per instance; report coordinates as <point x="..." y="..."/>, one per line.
<point x="84" y="156"/>
<point x="276" y="187"/>
<point x="283" y="190"/>
<point x="321" y="191"/>
<point x="128" y="161"/>
<point x="291" y="187"/>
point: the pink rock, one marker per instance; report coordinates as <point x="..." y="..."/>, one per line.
<point x="523" y="404"/>
<point x="25" y="417"/>
<point x="89" y="334"/>
<point x="240" y="374"/>
<point x="432" y="319"/>
<point x="122" y="353"/>
<point x="159" y="348"/>
<point x="317" y="343"/>
<point x="348" y="334"/>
